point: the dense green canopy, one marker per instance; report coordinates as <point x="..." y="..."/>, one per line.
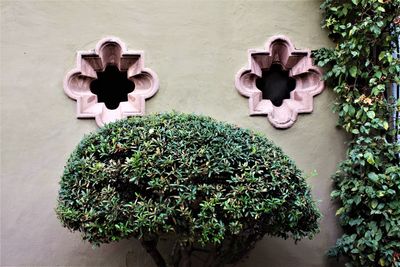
<point x="190" y="175"/>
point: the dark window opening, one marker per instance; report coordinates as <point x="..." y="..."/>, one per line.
<point x="112" y="86"/>
<point x="275" y="84"/>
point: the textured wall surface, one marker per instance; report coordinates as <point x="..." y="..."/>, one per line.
<point x="196" y="47"/>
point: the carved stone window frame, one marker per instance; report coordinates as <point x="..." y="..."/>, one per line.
<point x="110" y="50"/>
<point x="280" y="50"/>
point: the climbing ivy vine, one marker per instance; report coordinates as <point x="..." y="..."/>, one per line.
<point x="360" y="69"/>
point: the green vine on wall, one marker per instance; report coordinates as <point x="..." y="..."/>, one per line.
<point x="360" y="69"/>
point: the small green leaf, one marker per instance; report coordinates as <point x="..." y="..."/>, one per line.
<point x="371" y="257"/>
<point x="340" y="211"/>
<point x="353" y="71"/>
<point x="385" y="125"/>
<point x="373" y="177"/>
<point x="381" y="9"/>
<point x="352" y="110"/>
<point x="355" y="2"/>
<point x="380" y="194"/>
<point x="374" y="204"/>
<point x="381" y="55"/>
<point x="369" y="157"/>
<point x="371" y="114"/>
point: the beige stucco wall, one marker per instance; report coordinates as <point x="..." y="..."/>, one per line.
<point x="196" y="47"/>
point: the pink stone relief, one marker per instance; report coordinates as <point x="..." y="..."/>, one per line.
<point x="110" y="51"/>
<point x="280" y="50"/>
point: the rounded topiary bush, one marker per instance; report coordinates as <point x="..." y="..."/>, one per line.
<point x="208" y="183"/>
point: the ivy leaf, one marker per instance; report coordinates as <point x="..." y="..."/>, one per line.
<point x="340" y="211"/>
<point x="381" y="55"/>
<point x="371" y="114"/>
<point x="385" y="125"/>
<point x="353" y="71"/>
<point x="369" y="157"/>
<point x="373" y="177"/>
<point x="371" y="257"/>
<point x="374" y="204"/>
<point x="381" y="9"/>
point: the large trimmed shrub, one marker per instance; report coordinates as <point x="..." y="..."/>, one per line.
<point x="207" y="183"/>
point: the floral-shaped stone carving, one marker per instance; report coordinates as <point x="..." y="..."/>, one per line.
<point x="110" y="53"/>
<point x="279" y="50"/>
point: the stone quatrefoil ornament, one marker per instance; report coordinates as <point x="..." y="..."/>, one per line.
<point x="280" y="81"/>
<point x="110" y="82"/>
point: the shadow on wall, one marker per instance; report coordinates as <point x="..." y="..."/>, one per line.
<point x="138" y="257"/>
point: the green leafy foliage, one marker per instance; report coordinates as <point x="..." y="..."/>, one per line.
<point x="204" y="181"/>
<point x="360" y="69"/>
